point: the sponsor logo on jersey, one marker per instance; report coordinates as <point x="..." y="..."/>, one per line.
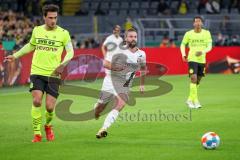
<point x="45" y="48"/>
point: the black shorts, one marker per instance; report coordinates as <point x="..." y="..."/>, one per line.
<point x="196" y="68"/>
<point x="50" y="85"/>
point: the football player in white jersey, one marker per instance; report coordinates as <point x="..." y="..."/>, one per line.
<point x="121" y="69"/>
<point x="113" y="41"/>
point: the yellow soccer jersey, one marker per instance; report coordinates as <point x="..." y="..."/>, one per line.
<point x="49" y="45"/>
<point x="197" y="42"/>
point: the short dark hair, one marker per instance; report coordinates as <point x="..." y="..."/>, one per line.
<point x="116" y="26"/>
<point x="130" y="30"/>
<point x="49" y="8"/>
<point x="197" y="17"/>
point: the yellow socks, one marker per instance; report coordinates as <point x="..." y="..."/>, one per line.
<point x="36" y="119"/>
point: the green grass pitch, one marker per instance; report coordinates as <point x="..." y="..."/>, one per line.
<point x="130" y="139"/>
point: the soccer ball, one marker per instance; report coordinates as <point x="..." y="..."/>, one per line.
<point x="210" y="140"/>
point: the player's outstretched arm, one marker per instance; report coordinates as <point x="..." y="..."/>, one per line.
<point x="182" y="48"/>
<point x="24" y="50"/>
<point x="69" y="55"/>
<point x="103" y="48"/>
<point x="183" y="45"/>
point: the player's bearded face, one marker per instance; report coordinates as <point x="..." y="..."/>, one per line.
<point x="131" y="39"/>
<point x="116" y="31"/>
<point x="51" y="20"/>
<point x="132" y="44"/>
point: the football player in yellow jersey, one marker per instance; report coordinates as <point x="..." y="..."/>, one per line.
<point x="199" y="42"/>
<point x="47" y="42"/>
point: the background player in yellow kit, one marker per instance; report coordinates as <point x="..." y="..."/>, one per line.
<point x="47" y="42"/>
<point x="200" y="42"/>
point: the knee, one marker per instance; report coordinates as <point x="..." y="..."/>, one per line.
<point x="50" y="110"/>
<point x="50" y="106"/>
<point x="194" y="79"/>
<point x="37" y="102"/>
<point x="120" y="104"/>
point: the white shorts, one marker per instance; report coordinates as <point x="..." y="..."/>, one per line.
<point x="111" y="88"/>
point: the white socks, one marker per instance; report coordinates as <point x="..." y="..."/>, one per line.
<point x="111" y="117"/>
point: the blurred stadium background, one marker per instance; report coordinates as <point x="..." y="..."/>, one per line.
<point x="90" y="21"/>
<point x="161" y="25"/>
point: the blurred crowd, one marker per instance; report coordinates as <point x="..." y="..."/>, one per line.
<point x="226" y="40"/>
<point x="85" y="43"/>
<point x="170" y="7"/>
<point x="164" y="7"/>
<point x="167" y="7"/>
<point x="216" y="6"/>
<point x="15" y="29"/>
<point x="28" y="7"/>
<point x="225" y="37"/>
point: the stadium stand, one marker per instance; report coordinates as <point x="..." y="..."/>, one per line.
<point x="90" y="21"/>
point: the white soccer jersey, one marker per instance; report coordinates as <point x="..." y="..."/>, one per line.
<point x="118" y="79"/>
<point x="112" y="43"/>
<point x="136" y="60"/>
